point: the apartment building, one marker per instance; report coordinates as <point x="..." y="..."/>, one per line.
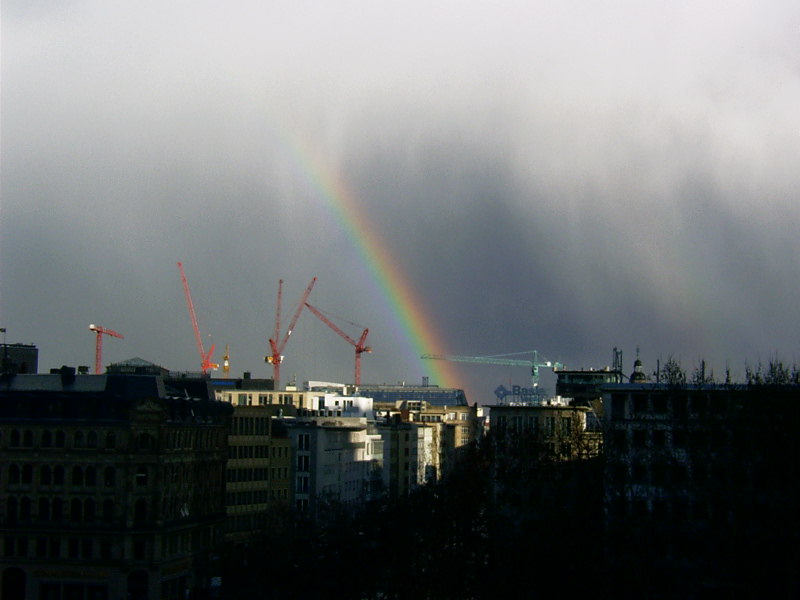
<point x="111" y="485"/>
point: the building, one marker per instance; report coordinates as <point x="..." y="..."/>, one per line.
<point x="422" y="442"/>
<point x="412" y="454"/>
<point x="700" y="491"/>
<point x="258" y="471"/>
<point x="433" y="395"/>
<point x="558" y="427"/>
<point x="272" y="467"/>
<point x="19" y="358"/>
<point x="112" y="486"/>
<point x="585" y="388"/>
<point x="336" y="459"/>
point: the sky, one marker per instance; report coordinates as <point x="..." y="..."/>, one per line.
<point x="466" y="178"/>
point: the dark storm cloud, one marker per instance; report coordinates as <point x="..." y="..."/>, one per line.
<point x="549" y="176"/>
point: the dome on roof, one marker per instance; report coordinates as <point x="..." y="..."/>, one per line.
<point x="638" y="375"/>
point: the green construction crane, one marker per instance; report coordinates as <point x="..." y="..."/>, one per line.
<point x="499" y="359"/>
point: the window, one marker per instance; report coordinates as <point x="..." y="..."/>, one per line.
<point x="58" y="509"/>
<point x="303" y="441"/>
<point x="144" y="442"/>
<point x="91" y="476"/>
<point x="659" y="438"/>
<point x="639" y="438"/>
<point x="617" y="406"/>
<point x="77" y="476"/>
<point x="13" y="474"/>
<point x="89" y="510"/>
<point x="302" y="463"/>
<point x="550" y="424"/>
<point x="12" y="508"/>
<point x="75" y="510"/>
<point x="139" y="550"/>
<point x="108" y="510"/>
<point x="44" y="509"/>
<point x="659" y="404"/>
<point x="679" y="439"/>
<point x="141" y="475"/>
<point x="566" y="425"/>
<point x="140" y="512"/>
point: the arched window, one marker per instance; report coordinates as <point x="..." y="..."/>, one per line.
<point x="79" y="441"/>
<point x="75" y="510"/>
<point x="13" y="474"/>
<point x="91" y="439"/>
<point x="140" y="512"/>
<point x="91" y="476"/>
<point x="108" y="510"/>
<point x="60" y="439"/>
<point x="77" y="475"/>
<point x="45" y="475"/>
<point x="44" y="509"/>
<point x="141" y="475"/>
<point x="58" y="475"/>
<point x="110" y="477"/>
<point x="89" y="510"/>
<point x="25" y="509"/>
<point x="27" y="474"/>
<point x="27" y="439"/>
<point x="58" y="509"/>
<point x="12" y="509"/>
<point x="47" y="439"/>
<point x="111" y="440"/>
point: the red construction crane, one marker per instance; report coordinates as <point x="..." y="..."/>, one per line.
<point x="205" y="359"/>
<point x="98" y="347"/>
<point x="358" y="345"/>
<point x="276" y="356"/>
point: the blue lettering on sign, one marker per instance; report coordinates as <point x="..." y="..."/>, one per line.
<point x="517" y="391"/>
<point x="524" y="392"/>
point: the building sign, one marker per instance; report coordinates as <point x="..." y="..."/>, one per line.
<point x="521" y="393"/>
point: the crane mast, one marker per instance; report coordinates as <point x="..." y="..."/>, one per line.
<point x="98" y="346"/>
<point x="205" y="359"/>
<point x="360" y="348"/>
<point x="275" y="358"/>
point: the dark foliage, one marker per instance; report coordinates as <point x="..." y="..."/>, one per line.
<point x="457" y="539"/>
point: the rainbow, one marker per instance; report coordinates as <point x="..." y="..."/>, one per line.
<point x="407" y="309"/>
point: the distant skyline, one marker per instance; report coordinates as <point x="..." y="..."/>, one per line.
<point x="462" y="178"/>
